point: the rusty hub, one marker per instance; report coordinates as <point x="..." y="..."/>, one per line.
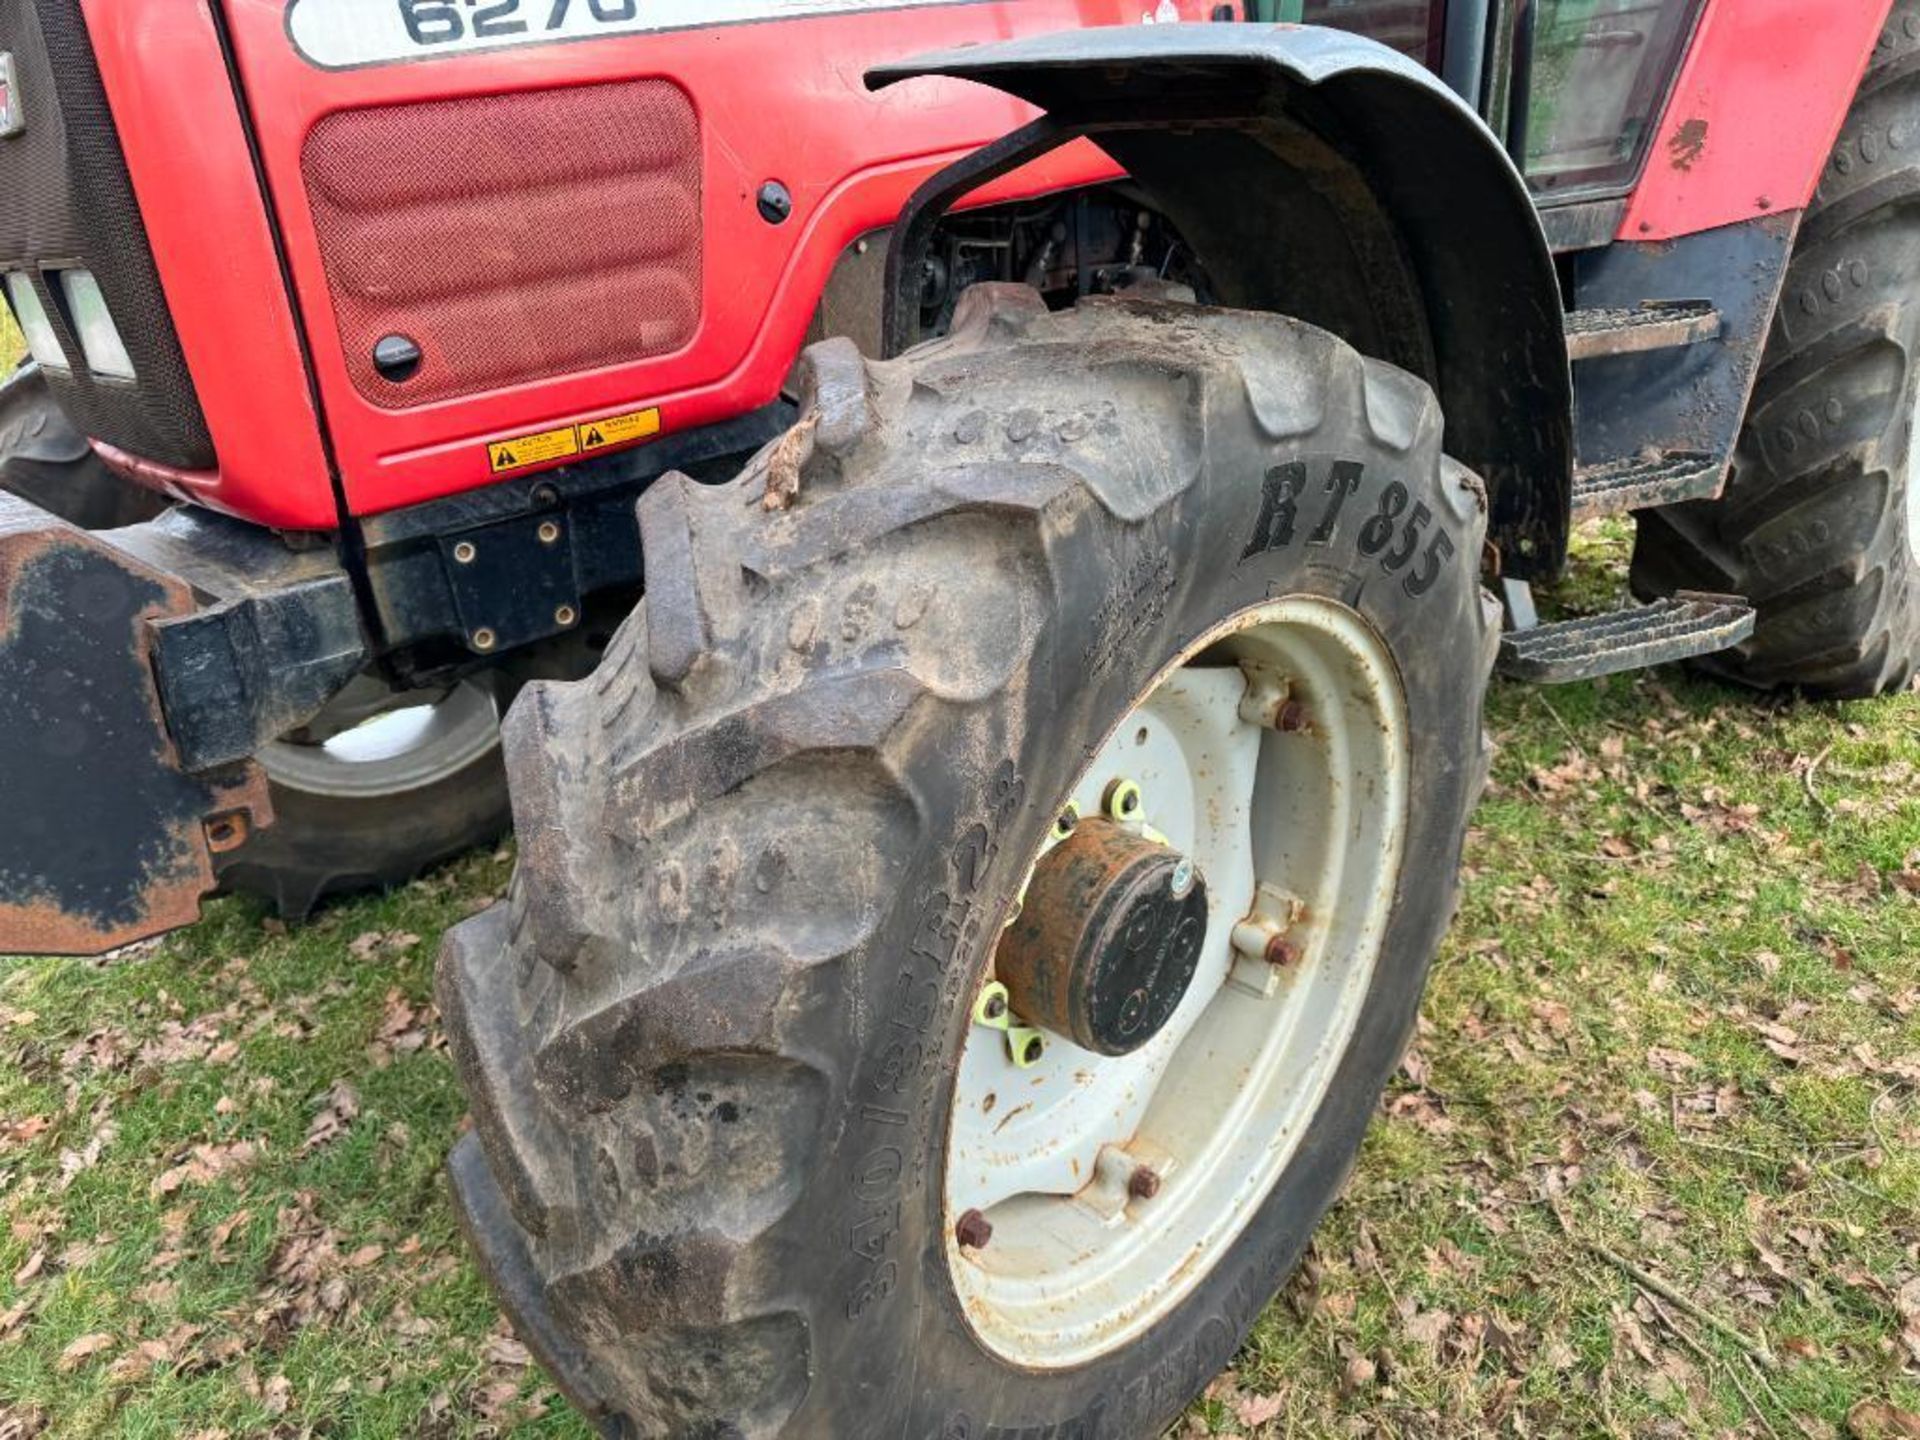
<point x="1107" y="942"/>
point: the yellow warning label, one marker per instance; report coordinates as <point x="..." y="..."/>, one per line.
<point x="522" y="450"/>
<point x="619" y="430"/>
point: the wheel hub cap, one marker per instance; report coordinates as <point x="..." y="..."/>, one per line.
<point x="1108" y="939"/>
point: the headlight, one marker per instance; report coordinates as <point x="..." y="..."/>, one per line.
<point x="42" y="342"/>
<point x="100" y="338"/>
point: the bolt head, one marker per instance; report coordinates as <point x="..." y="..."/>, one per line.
<point x="974" y="1232"/>
<point x="1181" y="881"/>
<point x="1144" y="1183"/>
<point x="1282" y="952"/>
<point x="995" y="1007"/>
<point x="1292" y="717"/>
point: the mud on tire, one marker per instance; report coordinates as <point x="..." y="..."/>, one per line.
<point x="709" y="1037"/>
<point x="1817" y="525"/>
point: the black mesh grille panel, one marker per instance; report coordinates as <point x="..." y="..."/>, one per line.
<point x="65" y="200"/>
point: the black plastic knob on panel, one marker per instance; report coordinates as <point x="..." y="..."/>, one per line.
<point x="396" y="358"/>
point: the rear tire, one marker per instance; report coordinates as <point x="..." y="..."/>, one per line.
<point x="1820" y="525"/>
<point x="712" y="1038"/>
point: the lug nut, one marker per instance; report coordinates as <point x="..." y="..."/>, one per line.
<point x="1292" y="717"/>
<point x="1282" y="952"/>
<point x="1068" y="819"/>
<point x="974" y="1231"/>
<point x="990" y="1008"/>
<point x="1144" y="1183"/>
<point x="1025" y="1046"/>
<point x="1122" y="799"/>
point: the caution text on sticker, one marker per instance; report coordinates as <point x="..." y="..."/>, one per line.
<point x="619" y="430"/>
<point x="546" y="446"/>
<point x="537" y="449"/>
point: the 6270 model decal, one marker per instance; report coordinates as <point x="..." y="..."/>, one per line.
<point x="1394" y="532"/>
<point x="340" y="34"/>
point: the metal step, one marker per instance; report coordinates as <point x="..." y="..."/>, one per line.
<point x="1651" y="325"/>
<point x="1641" y="482"/>
<point x="1678" y="628"/>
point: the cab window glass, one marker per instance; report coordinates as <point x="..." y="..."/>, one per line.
<point x="1594" y="82"/>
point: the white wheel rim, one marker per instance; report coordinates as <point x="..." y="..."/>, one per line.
<point x="407" y="748"/>
<point x="1217" y="1103"/>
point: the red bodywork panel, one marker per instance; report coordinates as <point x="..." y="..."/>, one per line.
<point x="775" y="100"/>
<point x="1757" y="104"/>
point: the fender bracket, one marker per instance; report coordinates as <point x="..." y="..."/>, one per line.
<point x="1323" y="176"/>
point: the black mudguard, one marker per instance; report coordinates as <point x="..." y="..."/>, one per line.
<point x="1324" y="176"/>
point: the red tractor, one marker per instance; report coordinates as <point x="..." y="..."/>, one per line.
<point x="988" y="515"/>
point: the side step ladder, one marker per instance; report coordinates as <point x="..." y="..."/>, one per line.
<point x="1651" y="325"/>
<point x="1640" y="482"/>
<point x="1677" y="628"/>
<point x="1681" y="627"/>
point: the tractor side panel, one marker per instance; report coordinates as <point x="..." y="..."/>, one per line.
<point x="185" y="150"/>
<point x="1754" y="110"/>
<point x="570" y="227"/>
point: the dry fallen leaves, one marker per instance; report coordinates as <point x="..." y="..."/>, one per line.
<point x="337" y="1111"/>
<point x="83" y="1349"/>
<point x="205" y="1162"/>
<point x="1877" y="1420"/>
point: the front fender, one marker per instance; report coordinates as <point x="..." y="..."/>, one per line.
<point x="1321" y="175"/>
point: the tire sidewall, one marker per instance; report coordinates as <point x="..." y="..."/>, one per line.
<point x="887" y="1324"/>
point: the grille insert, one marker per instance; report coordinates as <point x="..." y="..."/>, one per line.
<point x="514" y="237"/>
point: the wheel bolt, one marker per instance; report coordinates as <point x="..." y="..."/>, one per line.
<point x="994" y="1006"/>
<point x="1122" y="799"/>
<point x="974" y="1231"/>
<point x="1292" y="717"/>
<point x="1144" y="1183"/>
<point x="1282" y="952"/>
<point x="1181" y="881"/>
<point x="1068" y="819"/>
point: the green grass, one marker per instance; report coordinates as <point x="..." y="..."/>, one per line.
<point x="12" y="346"/>
<point x="1672" y="1048"/>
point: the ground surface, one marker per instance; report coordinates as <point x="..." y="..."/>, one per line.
<point x="1653" y="1167"/>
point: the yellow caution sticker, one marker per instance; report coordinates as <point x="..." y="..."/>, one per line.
<point x="524" y="450"/>
<point x="619" y="430"/>
<point x="549" y="445"/>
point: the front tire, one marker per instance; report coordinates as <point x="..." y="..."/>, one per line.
<point x="381" y="801"/>
<point x="713" y="1039"/>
